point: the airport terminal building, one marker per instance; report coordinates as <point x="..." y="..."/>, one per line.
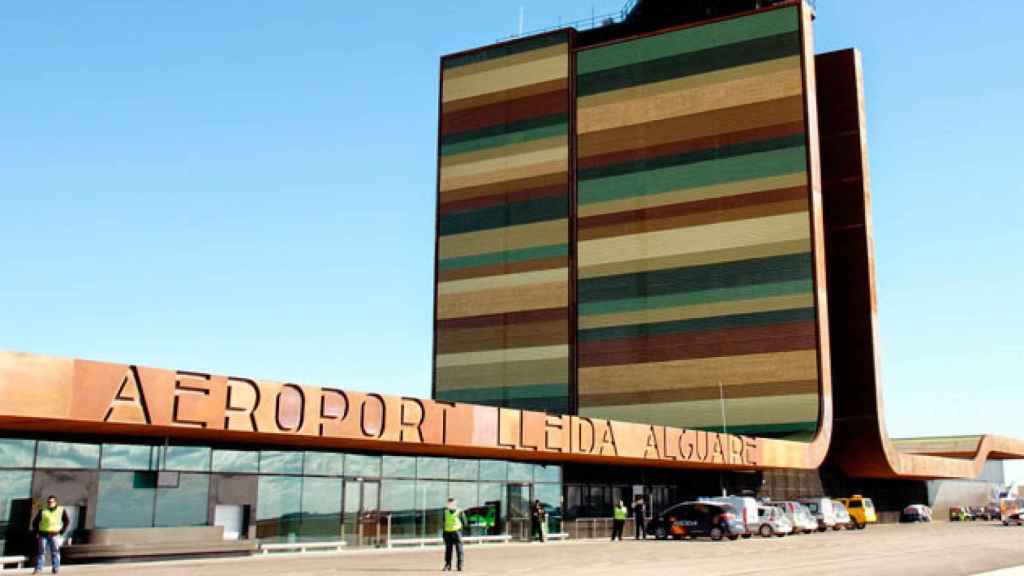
<point x="654" y="277"/>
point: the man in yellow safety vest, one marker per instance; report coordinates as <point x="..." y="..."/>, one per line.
<point x="618" y="520"/>
<point x="49" y="526"/>
<point x="454" y="520"/>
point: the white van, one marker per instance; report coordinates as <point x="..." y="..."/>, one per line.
<point x="746" y="509"/>
<point x="823" y="510"/>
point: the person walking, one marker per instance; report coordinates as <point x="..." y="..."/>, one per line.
<point x="454" y="520"/>
<point x="640" y="517"/>
<point x="538" y="519"/>
<point x="618" y="520"/>
<point x="50" y="525"/>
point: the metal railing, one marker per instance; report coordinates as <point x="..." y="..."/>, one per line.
<point x="607" y="19"/>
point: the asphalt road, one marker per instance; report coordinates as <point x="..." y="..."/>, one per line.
<point x="908" y="550"/>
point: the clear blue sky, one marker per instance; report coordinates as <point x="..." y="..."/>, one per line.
<point x="247" y="188"/>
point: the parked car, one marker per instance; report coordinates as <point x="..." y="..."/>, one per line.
<point x="971" y="512"/>
<point x="799" y="516"/>
<point x="772" y="522"/>
<point x="957" y="514"/>
<point x="861" y="510"/>
<point x="746" y="510"/>
<point x="823" y="511"/>
<point x="916" y="513"/>
<point x="1010" y="510"/>
<point x="993" y="511"/>
<point x="843" y="519"/>
<point x="716" y="520"/>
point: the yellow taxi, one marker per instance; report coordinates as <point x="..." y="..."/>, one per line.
<point x="861" y="509"/>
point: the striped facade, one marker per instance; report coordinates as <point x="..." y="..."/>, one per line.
<point x="696" y="279"/>
<point x="502" y="320"/>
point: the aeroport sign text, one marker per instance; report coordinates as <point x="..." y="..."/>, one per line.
<point x="106" y="398"/>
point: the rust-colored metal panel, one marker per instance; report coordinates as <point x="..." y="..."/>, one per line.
<point x="84" y="397"/>
<point x="860" y="444"/>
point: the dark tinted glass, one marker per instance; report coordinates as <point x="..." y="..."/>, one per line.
<point x="126" y="457"/>
<point x="187" y="458"/>
<point x="236" y="461"/>
<point x="185" y="505"/>
<point x="324" y="464"/>
<point x="17" y="453"/>
<point x="362" y="466"/>
<point x="278" y="508"/>
<point x="126" y="500"/>
<point x="280" y="462"/>
<point x="68" y="455"/>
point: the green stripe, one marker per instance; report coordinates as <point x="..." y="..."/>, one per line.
<point x="689" y="40"/>
<point x="513" y="214"/>
<point x="691" y="64"/>
<point x="748" y="292"/>
<point x="503" y="392"/>
<point x="708" y="173"/>
<point x="693" y="157"/>
<point x="517" y="47"/>
<point x="760" y="429"/>
<point x="697" y="325"/>
<point x="505" y="257"/>
<point x="507" y="139"/>
<point x="499" y="129"/>
<point x="667" y="281"/>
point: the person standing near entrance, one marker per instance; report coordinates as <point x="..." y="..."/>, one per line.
<point x="639" y="516"/>
<point x="454" y="520"/>
<point x="538" y="519"/>
<point x="618" y="520"/>
<point x="50" y="525"/>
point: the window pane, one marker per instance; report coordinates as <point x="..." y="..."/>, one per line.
<point x="550" y="496"/>
<point x="496" y="470"/>
<point x="321" y="509"/>
<point x="487" y="517"/>
<point x="465" y="494"/>
<point x="399" y="467"/>
<point x="238" y="461"/>
<point x="185" y="505"/>
<point x="324" y="464"/>
<point x="549" y="473"/>
<point x="125" y="500"/>
<point x="360" y="465"/>
<point x="187" y="458"/>
<point x="126" y="457"/>
<point x="15" y="504"/>
<point x="277" y="509"/>
<point x="431" y="498"/>
<point x="68" y="455"/>
<point x="280" y="462"/>
<point x="520" y="472"/>
<point x="463" y="469"/>
<point x="398" y="498"/>
<point x="16" y="453"/>
<point x="432" y="468"/>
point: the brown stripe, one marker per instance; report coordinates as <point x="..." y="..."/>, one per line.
<point x="504" y="95"/>
<point x="503" y="336"/>
<point x="506" y="112"/>
<point x="704" y="393"/>
<point x="728" y="342"/>
<point x="734" y="119"/>
<point x="695" y="219"/>
<point x="523" y="317"/>
<point x="503" y="198"/>
<point x="507" y="186"/>
<point x="692" y="145"/>
<point x="498" y="269"/>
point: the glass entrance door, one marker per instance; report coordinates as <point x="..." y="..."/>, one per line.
<point x="362" y="513"/>
<point x="519" y="511"/>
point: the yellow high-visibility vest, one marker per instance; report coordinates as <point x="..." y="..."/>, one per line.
<point x="620" y="513"/>
<point x="51" y="521"/>
<point x="452" y="522"/>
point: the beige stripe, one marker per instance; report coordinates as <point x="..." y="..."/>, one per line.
<point x="510" y="355"/>
<point x="503" y="281"/>
<point x="507" y="78"/>
<point x="700" y="372"/>
<point x="503" y="151"/>
<point x="718" y="236"/>
<point x="502" y="300"/>
<point x="697" y="311"/>
<point x="701" y="99"/>
<point x="689" y="82"/>
<point x="504" y="96"/>
<point x="509" y="238"/>
<point x="699" y="259"/>
<point x="708" y="413"/>
<point x="557" y="151"/>
<point x="515" y="173"/>
<point x="504" y="373"/>
<point x="506" y="61"/>
<point x="693" y="194"/>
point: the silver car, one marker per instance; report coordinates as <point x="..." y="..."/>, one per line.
<point x="843" y="519"/>
<point x="772" y="521"/>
